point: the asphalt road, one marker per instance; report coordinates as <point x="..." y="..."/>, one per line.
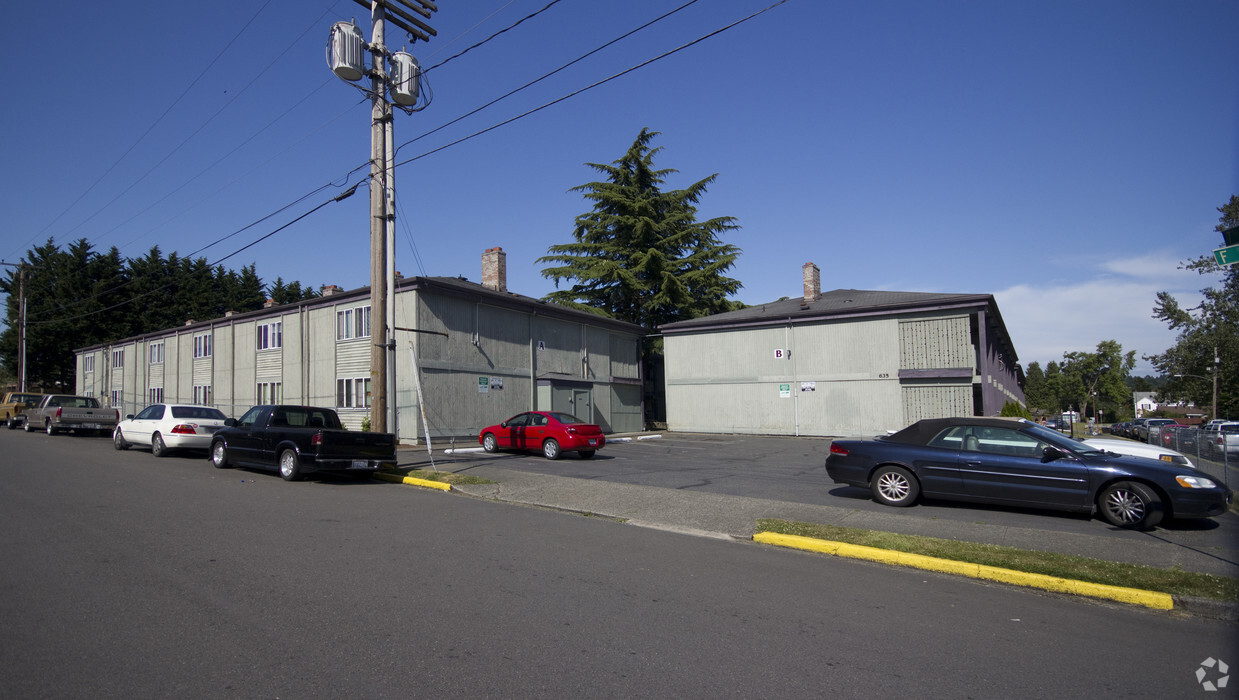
<point x="129" y="576"/>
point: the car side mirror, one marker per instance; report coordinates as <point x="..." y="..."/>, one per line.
<point x="129" y="417"/>
<point x="503" y="424"/>
<point x="230" y="422"/>
<point x="1052" y="453"/>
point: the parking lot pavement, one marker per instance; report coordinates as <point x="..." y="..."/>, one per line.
<point x="576" y="486"/>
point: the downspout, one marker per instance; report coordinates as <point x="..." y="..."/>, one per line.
<point x="983" y="342"/>
<point x="787" y="341"/>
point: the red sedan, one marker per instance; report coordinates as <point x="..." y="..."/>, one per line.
<point x="550" y="432"/>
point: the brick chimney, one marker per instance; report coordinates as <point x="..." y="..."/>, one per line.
<point x="812" y="282"/>
<point x="331" y="289"/>
<point x="495" y="269"/>
<point x="268" y="303"/>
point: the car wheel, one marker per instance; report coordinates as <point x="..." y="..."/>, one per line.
<point x="1130" y="505"/>
<point x="895" y="486"/>
<point x="550" y="449"/>
<point x="290" y="466"/>
<point x="158" y="448"/>
<point x="586" y="454"/>
<point x="26" y="426"/>
<point x="10" y="423"/>
<point x="48" y="427"/>
<point x="219" y="455"/>
<point x="489" y="443"/>
<point x="118" y="440"/>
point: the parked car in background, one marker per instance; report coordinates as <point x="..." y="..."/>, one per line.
<point x="1121" y="429"/>
<point x="550" y="432"/>
<point x="1169" y="433"/>
<point x="1221" y="441"/>
<point x="14" y="406"/>
<point x="165" y="427"/>
<point x="1140" y="449"/>
<point x="297" y="440"/>
<point x="60" y="412"/>
<point x="1150" y="432"/>
<point x="1135" y="429"/>
<point x="1017" y="463"/>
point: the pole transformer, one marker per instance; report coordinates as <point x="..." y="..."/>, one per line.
<point x="344" y="57"/>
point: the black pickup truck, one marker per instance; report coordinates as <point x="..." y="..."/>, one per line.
<point x="297" y="440"/>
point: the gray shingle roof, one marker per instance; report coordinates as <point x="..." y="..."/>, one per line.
<point x="833" y="304"/>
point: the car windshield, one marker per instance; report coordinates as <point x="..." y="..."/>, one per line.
<point x="1057" y="439"/>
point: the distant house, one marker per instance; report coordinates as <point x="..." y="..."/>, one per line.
<point x="846" y="362"/>
<point x="1145" y="402"/>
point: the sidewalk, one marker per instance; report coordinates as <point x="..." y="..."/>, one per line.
<point x="714" y="515"/>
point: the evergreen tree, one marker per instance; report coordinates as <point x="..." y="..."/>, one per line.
<point x="641" y="255"/>
<point x="1208" y="338"/>
<point x="1037" y="394"/>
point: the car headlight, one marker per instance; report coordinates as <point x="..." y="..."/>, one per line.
<point x="1195" y="482"/>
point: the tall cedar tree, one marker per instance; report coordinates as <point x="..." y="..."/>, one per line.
<point x="77" y="298"/>
<point x="1208" y="334"/>
<point x="641" y="256"/>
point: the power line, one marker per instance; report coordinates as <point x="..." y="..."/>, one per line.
<point x="348" y="176"/>
<point x="592" y="86"/>
<point x="547" y="75"/>
<point x="153" y="125"/>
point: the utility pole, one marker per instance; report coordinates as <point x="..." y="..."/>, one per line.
<point x="380" y="122"/>
<point x="345" y="59"/>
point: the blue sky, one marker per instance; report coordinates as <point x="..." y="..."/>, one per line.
<point x="1066" y="157"/>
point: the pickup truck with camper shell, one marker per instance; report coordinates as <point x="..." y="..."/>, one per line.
<point x="13" y="408"/>
<point x="58" y="413"/>
<point x="297" y="440"/>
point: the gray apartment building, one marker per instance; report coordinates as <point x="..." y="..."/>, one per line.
<point x="491" y="353"/>
<point x="844" y="362"/>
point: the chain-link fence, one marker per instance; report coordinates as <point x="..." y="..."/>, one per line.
<point x="1214" y="452"/>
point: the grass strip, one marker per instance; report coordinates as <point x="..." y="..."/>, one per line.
<point x="443" y="477"/>
<point x="1150" y="578"/>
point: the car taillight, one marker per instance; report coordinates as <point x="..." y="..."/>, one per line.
<point x="184" y="429"/>
<point x="838" y="450"/>
<point x="316" y="439"/>
<point x="58" y="412"/>
<point x="572" y="431"/>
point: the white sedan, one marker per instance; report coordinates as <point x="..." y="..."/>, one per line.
<point x="165" y="427"/>
<point x="1140" y="449"/>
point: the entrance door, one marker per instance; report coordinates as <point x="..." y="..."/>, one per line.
<point x="582" y="407"/>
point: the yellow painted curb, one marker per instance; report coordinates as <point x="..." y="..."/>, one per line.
<point x="411" y="481"/>
<point x="1135" y="596"/>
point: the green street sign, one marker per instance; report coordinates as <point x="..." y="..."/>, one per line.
<point x="1228" y="255"/>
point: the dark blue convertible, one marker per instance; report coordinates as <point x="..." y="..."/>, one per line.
<point x="1014" y="462"/>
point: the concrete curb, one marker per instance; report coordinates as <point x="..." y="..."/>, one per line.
<point x="1134" y="596"/>
<point x="411" y="481"/>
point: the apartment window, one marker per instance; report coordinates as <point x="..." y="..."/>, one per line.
<point x="115" y="398"/>
<point x="353" y="392"/>
<point x="270" y="335"/>
<point x="156" y="395"/>
<point x="118" y="358"/>
<point x="353" y="323"/>
<point x="157" y="356"/>
<point x="202" y="345"/>
<point x="202" y="394"/>
<point x="88" y="363"/>
<point x="269" y="392"/>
